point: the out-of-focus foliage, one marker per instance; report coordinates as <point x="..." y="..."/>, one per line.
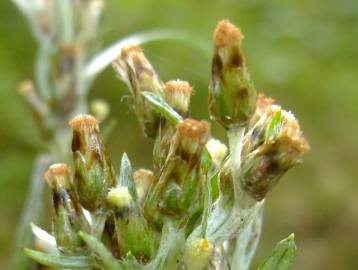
<point x="304" y="53"/>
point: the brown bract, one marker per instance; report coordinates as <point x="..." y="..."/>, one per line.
<point x="84" y="122"/>
<point x="227" y="34"/>
<point x="194" y="129"/>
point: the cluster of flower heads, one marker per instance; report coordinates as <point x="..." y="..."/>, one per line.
<point x="196" y="188"/>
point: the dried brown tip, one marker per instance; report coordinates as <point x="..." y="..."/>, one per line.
<point x="292" y="132"/>
<point x="84" y="122"/>
<point x="59" y="169"/>
<point x="263" y="101"/>
<point x="130" y="49"/>
<point x="193" y="129"/>
<point x="226" y="34"/>
<point x="175" y="86"/>
<point x="263" y="105"/>
<point x="26" y="87"/>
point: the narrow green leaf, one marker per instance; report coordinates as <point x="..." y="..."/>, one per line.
<point x="214" y="180"/>
<point x="47" y="241"/>
<point x="104" y="58"/>
<point x="163" y="108"/>
<point x="206" y="160"/>
<point x="58" y="261"/>
<point x="282" y="255"/>
<point x="108" y="128"/>
<point x="126" y="176"/>
<point x="108" y="261"/>
<point x="207" y="206"/>
<point x="273" y="128"/>
<point x="206" y="163"/>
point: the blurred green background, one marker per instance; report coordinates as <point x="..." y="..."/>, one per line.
<point x="302" y="52"/>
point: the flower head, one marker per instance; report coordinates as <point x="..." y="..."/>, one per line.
<point x="138" y="74"/>
<point x="93" y="169"/>
<point x="272" y="146"/>
<point x="232" y="95"/>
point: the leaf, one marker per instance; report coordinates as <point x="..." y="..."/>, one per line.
<point x="47" y="240"/>
<point x="107" y="56"/>
<point x="126" y="176"/>
<point x="25" y="7"/>
<point x="282" y="255"/>
<point x="214" y="180"/>
<point x="107" y="129"/>
<point x="206" y="163"/>
<point x="206" y="160"/>
<point x="108" y="261"/>
<point x="163" y="108"/>
<point x="59" y="261"/>
<point x="273" y="128"/>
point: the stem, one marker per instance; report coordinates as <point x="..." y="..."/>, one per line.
<point x="31" y="213"/>
<point x="43" y="69"/>
<point x="230" y="214"/>
<point x="66" y="20"/>
<point x="244" y="206"/>
<point x="246" y="244"/>
<point x="236" y="137"/>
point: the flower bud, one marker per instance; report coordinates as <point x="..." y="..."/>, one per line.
<point x="138" y="74"/>
<point x="217" y="150"/>
<point x="94" y="174"/>
<point x="191" y="137"/>
<point x="265" y="110"/>
<point x="100" y="109"/>
<point x="27" y="89"/>
<point x="177" y="95"/>
<point x="198" y="254"/>
<point x="133" y="232"/>
<point x="68" y="217"/>
<point x="177" y="192"/>
<point x="119" y="197"/>
<point x="272" y="146"/>
<point x="232" y="95"/>
<point x="39" y="108"/>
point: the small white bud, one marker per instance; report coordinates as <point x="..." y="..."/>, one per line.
<point x="217" y="150"/>
<point x="100" y="109"/>
<point x="119" y="197"/>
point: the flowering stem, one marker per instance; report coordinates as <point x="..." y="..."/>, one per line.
<point x="31" y="213"/>
<point x="244" y="206"/>
<point x="236" y="136"/>
<point x="245" y="245"/>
